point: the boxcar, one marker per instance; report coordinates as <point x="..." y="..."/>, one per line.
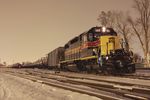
<point x="55" y="56"/>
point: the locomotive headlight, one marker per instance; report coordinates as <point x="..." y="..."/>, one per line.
<point x="103" y="29"/>
<point x="107" y="57"/>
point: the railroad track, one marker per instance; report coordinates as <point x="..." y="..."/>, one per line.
<point x="132" y="76"/>
<point x="137" y="76"/>
<point x="99" y="88"/>
<point x="81" y="76"/>
<point x="143" y="74"/>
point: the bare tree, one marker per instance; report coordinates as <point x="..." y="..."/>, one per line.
<point x="107" y="18"/>
<point x="118" y="21"/>
<point x="122" y="26"/>
<point x="141" y="25"/>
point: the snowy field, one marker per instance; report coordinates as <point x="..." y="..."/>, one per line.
<point x="16" y="88"/>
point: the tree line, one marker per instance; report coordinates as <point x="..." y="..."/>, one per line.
<point x="130" y="27"/>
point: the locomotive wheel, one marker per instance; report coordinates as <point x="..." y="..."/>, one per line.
<point x="88" y="68"/>
<point x="81" y="66"/>
<point x="106" y="69"/>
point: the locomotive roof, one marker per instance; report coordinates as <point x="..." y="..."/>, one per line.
<point x="90" y="30"/>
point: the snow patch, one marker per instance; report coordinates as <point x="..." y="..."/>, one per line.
<point x="16" y="88"/>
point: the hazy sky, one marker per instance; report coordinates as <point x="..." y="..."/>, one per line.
<point x="29" y="29"/>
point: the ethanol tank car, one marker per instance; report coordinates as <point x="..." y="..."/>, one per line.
<point x="100" y="48"/>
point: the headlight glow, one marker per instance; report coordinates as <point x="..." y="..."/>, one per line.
<point x="103" y="29"/>
<point x="107" y="58"/>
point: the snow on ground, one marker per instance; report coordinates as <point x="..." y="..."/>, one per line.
<point x="16" y="88"/>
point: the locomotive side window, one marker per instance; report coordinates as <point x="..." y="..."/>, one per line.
<point x="93" y="36"/>
<point x="96" y="36"/>
<point x="90" y="37"/>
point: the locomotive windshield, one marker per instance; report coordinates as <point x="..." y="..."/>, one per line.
<point x="96" y="32"/>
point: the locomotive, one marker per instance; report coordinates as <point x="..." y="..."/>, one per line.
<point x="98" y="49"/>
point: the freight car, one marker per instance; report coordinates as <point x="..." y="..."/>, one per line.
<point x="16" y="65"/>
<point x="55" y="57"/>
<point x="100" y="48"/>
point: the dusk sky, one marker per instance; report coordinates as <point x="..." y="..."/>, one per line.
<point x="29" y="29"/>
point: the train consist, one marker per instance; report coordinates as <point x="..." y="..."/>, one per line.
<point x="99" y="49"/>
